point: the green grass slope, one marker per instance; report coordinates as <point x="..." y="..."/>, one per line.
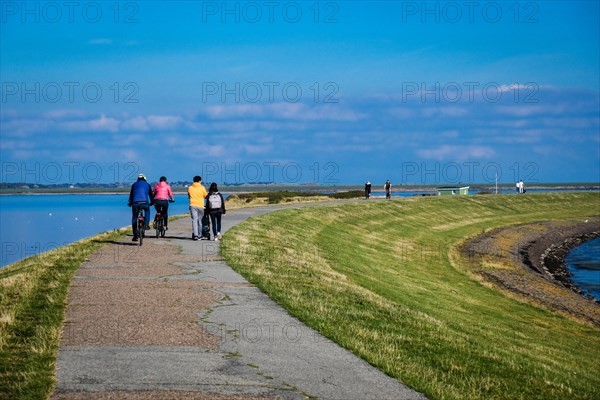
<point x="384" y="280"/>
<point x="33" y="294"/>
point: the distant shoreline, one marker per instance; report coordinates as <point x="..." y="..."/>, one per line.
<point x="487" y="188"/>
<point x="61" y="193"/>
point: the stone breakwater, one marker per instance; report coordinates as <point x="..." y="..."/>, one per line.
<point x="528" y="260"/>
<point x="546" y="254"/>
<point x="553" y="259"/>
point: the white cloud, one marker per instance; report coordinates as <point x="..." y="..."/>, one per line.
<point x="213" y="151"/>
<point x="281" y="126"/>
<point x="140" y="123"/>
<point x="24" y="127"/>
<point x="293" y="111"/>
<point x="137" y="123"/>
<point x="378" y="130"/>
<point x="513" y="87"/>
<point x="164" y="121"/>
<point x="572" y="122"/>
<point x="330" y="112"/>
<point x="130" y="154"/>
<point x="131" y="139"/>
<point x="99" y="124"/>
<point x="532" y="109"/>
<point x="522" y="110"/>
<point x="64" y="114"/>
<point x="522" y="136"/>
<point x="224" y="111"/>
<point x="402" y="112"/>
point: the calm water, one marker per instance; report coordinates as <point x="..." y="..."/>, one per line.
<point x="584" y="263"/>
<point x="33" y="224"/>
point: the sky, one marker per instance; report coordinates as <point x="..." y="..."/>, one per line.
<point x="330" y="92"/>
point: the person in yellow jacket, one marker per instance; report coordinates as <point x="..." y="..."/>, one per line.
<point x="197" y="194"/>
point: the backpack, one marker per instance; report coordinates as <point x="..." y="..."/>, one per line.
<point x="214" y="201"/>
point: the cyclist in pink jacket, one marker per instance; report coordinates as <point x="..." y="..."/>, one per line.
<point x="162" y="196"/>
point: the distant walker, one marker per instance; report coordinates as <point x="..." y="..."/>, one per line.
<point x="388" y="189"/>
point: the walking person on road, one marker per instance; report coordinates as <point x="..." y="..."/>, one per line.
<point x="388" y="189"/>
<point x="140" y="197"/>
<point x="367" y="190"/>
<point x="196" y="194"/>
<point x="215" y="207"/>
<point x="163" y="195"/>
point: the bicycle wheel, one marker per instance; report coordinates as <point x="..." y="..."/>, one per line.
<point x="141" y="230"/>
<point x="158" y="225"/>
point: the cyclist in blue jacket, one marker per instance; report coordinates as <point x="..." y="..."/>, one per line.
<point x="140" y="197"/>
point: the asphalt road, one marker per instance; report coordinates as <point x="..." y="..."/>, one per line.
<point x="261" y="351"/>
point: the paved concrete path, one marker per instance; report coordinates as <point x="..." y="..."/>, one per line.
<point x="172" y="320"/>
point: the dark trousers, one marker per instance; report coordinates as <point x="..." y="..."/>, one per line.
<point x="135" y="209"/>
<point x="162" y="207"/>
<point x="215" y="220"/>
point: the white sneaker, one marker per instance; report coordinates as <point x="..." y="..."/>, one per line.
<point x="219" y="235"/>
<point x="216" y="239"/>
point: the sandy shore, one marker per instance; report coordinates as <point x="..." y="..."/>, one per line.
<point x="528" y="261"/>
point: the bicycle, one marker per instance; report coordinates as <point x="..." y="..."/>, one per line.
<point x="159" y="225"/>
<point x="141" y="225"/>
<point x="161" y="219"/>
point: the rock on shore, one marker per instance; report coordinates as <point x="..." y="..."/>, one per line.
<point x="528" y="260"/>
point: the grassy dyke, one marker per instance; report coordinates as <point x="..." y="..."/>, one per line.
<point x="286" y="197"/>
<point x="386" y="281"/>
<point x="32" y="303"/>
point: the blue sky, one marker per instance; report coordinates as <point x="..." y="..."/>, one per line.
<point x="331" y="92"/>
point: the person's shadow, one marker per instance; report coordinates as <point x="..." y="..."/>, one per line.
<point x="116" y="242"/>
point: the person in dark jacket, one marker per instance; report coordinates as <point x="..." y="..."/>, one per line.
<point x="215" y="207"/>
<point x="140" y="197"/>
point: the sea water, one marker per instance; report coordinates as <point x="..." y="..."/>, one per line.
<point x="583" y="262"/>
<point x="33" y="224"/>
